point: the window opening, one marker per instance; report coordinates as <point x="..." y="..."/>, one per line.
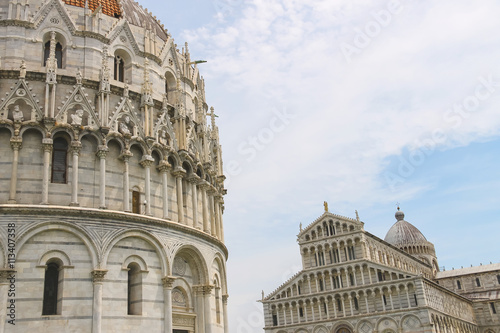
<point x="136" y="202"/>
<point x="50" y="290"/>
<point x="119" y="72"/>
<point x="134" y="295"/>
<point x="478" y="282"/>
<point x="493" y="309"/>
<point x="275" y="320"/>
<point x="60" y="161"/>
<point x="459" y="285"/>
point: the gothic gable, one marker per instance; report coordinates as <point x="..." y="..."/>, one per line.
<point x="20" y="99"/>
<point x="122" y="29"/>
<point x="77" y="110"/>
<point x="328" y="225"/>
<point x="54" y="10"/>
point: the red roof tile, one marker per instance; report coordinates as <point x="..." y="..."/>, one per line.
<point x="109" y="7"/>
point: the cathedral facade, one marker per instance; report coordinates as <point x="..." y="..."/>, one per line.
<point x="353" y="281"/>
<point x="111" y="185"/>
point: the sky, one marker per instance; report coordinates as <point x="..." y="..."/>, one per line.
<point x="359" y="103"/>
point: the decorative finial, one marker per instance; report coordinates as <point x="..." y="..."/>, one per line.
<point x="397" y="205"/>
<point x="357" y="216"/>
<point x="326" y="206"/>
<point x="300" y="226"/>
<point x="262" y="294"/>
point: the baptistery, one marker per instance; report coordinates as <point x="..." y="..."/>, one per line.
<point x="111" y="185"/>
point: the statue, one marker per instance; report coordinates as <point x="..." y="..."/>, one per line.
<point x="79" y="76"/>
<point x="165" y="100"/>
<point x="22" y="70"/>
<point x="262" y="294"/>
<point x="77" y="117"/>
<point x="17" y="114"/>
<point x="300" y="226"/>
<point x="124" y="126"/>
<point x="163" y="138"/>
<point x="357" y="216"/>
<point x="326" y="206"/>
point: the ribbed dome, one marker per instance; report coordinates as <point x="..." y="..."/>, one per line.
<point x="404" y="233"/>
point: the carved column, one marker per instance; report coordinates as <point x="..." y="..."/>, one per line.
<point x="217" y="216"/>
<point x="206" y="225"/>
<point x="76" y="147"/>
<point x="164" y="167"/>
<point x="16" y="144"/>
<point x="194" y="180"/>
<point x="146" y="162"/>
<point x="47" y="145"/>
<point x="207" y="293"/>
<point x="213" y="228"/>
<point x="125" y="156"/>
<point x="224" y="309"/>
<point x="97" y="279"/>
<point x="101" y="153"/>
<point x="179" y="174"/>
<point x="168" y="283"/>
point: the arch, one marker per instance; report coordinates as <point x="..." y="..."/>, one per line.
<point x="196" y="256"/>
<point x="122" y="65"/>
<point x="61" y="39"/>
<point x="410" y="322"/>
<point x="149" y="238"/>
<point x="77" y="231"/>
<point x="222" y="268"/>
<point x="117" y="140"/>
<point x="389" y="323"/>
<point x="135" y="259"/>
<point x="61" y="256"/>
<point x="343" y="327"/>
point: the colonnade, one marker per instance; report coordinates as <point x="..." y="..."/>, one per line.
<point x="340" y="305"/>
<point x="212" y="202"/>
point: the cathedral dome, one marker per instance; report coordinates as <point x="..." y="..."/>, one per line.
<point x="404" y="233"/>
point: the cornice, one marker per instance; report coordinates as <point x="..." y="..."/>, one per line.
<point x="50" y="210"/>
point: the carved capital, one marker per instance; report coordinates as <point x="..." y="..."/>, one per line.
<point x="6" y="274"/>
<point x="126" y="155"/>
<point x="102" y="151"/>
<point x="164" y="166"/>
<point x="147" y="161"/>
<point x="179" y="172"/>
<point x="168" y="282"/>
<point x="224" y="298"/>
<point x="76" y="147"/>
<point x="193" y="179"/>
<point x="98" y="275"/>
<point x="47" y="145"/>
<point x="203" y="290"/>
<point x="16" y="143"/>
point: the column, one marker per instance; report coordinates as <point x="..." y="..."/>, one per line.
<point x="224" y="308"/>
<point x="194" y="196"/>
<point x="125" y="156"/>
<point x="16" y="144"/>
<point x="327" y="302"/>
<point x="101" y="153"/>
<point x="221" y="224"/>
<point x="284" y="316"/>
<point x="76" y="147"/>
<point x="217" y="216"/>
<point x="350" y="305"/>
<point x="213" y="228"/>
<point x="207" y="293"/>
<point x="97" y="279"/>
<point x="298" y="312"/>
<point x="291" y="314"/>
<point x="390" y="298"/>
<point x="320" y="314"/>
<point x="164" y="167"/>
<point x="334" y="308"/>
<point x="362" y="275"/>
<point x="179" y="173"/>
<point x="367" y="305"/>
<point x="382" y="298"/>
<point x="408" y="296"/>
<point x="206" y="224"/>
<point x="168" y="283"/>
<point x="146" y="162"/>
<point x="47" y="154"/>
<point x="343" y="305"/>
<point x="312" y="311"/>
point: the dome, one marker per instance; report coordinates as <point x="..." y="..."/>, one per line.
<point x="404" y="233"/>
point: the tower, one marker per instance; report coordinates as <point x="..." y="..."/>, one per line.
<point x="112" y="188"/>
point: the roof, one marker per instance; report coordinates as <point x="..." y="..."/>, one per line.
<point x="130" y="10"/>
<point x="468" y="270"/>
<point x="109" y="7"/>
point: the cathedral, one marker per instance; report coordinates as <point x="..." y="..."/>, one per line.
<point x="353" y="281"/>
<point x="111" y="185"/>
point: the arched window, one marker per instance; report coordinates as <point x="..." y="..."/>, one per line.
<point x="59" y="54"/>
<point x="136" y="202"/>
<point x="119" y="71"/>
<point x="51" y="290"/>
<point x="478" y="282"/>
<point x="459" y="285"/>
<point x="134" y="292"/>
<point x="60" y="161"/>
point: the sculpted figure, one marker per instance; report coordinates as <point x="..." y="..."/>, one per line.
<point x="124" y="126"/>
<point x="79" y="76"/>
<point x="77" y="117"/>
<point x="17" y="114"/>
<point x="22" y="70"/>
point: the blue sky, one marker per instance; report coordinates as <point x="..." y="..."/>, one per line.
<point x="359" y="103"/>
